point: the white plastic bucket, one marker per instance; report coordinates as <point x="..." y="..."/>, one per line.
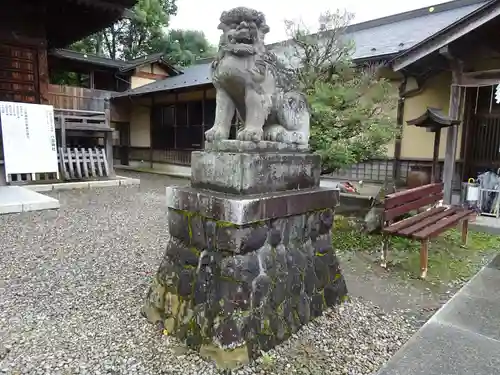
<point x="472" y="191"/>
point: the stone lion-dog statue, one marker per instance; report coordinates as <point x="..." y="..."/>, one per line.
<point x="247" y="79"/>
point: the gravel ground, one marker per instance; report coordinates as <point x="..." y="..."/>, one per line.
<point x="72" y="283"/>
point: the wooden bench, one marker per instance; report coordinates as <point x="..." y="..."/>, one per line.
<point x="425" y="225"/>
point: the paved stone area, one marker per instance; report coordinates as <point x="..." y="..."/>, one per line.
<point x="463" y="337"/>
<point x="15" y="199"/>
<point x="486" y="224"/>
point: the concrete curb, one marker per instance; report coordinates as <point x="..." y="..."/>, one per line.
<point x="153" y="171"/>
<point x="118" y="181"/>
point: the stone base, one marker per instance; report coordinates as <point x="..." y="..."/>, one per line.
<point x="232" y="145"/>
<point x="231" y="288"/>
<point x="254" y="173"/>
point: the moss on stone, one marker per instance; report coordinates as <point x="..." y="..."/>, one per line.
<point x="169" y="325"/>
<point x="226" y="358"/>
<point x="228" y="279"/>
<point x="195" y="251"/>
<point x="204" y="328"/>
<point x="322" y="292"/>
<point x="279" y="308"/>
<point x="224" y="224"/>
<point x="266" y="327"/>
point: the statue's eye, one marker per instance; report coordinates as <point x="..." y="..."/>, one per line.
<point x="291" y="102"/>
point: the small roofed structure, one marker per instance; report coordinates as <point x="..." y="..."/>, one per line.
<point x="433" y="119"/>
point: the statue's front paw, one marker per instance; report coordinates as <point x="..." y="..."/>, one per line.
<point x="275" y="133"/>
<point x="216" y="133"/>
<point x="254" y="135"/>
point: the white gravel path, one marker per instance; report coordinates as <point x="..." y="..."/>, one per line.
<point x="72" y="283"/>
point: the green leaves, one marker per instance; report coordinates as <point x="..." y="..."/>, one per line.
<point x="352" y="109"/>
<point x="184" y="46"/>
<point x="145" y="34"/>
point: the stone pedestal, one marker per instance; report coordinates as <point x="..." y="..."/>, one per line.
<point x="242" y="272"/>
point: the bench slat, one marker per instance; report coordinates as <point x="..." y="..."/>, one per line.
<point x="442" y="225"/>
<point x="412" y="220"/>
<point x="406" y="196"/>
<point x="428" y="222"/>
<point x="403" y="209"/>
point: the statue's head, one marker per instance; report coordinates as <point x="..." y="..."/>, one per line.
<point x="243" y="30"/>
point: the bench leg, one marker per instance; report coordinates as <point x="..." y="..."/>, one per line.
<point x="385" y="251"/>
<point x="424" y="257"/>
<point x="465" y="231"/>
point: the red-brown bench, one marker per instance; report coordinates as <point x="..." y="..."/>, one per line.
<point x="425" y="225"/>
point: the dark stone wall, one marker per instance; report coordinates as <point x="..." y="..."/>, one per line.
<point x="231" y="291"/>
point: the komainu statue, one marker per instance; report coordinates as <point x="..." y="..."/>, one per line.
<point x="249" y="80"/>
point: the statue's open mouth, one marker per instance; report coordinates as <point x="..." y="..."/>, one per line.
<point x="242" y="36"/>
<point x="242" y="40"/>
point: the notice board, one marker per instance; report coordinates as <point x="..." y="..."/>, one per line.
<point x="29" y="138"/>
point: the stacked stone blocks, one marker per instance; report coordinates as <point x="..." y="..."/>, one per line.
<point x="243" y="272"/>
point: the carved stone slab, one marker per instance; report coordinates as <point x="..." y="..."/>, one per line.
<point x="247" y="209"/>
<point x="254" y="173"/>
<point x="232" y="145"/>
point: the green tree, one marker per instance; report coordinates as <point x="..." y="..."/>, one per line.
<point x="351" y="105"/>
<point x="134" y="37"/>
<point x="185" y="46"/>
<point x="145" y="34"/>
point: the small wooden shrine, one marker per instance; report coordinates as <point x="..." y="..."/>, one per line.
<point x="433" y="119"/>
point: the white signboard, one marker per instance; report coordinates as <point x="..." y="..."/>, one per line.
<point x="29" y="138"/>
<point x="497" y="94"/>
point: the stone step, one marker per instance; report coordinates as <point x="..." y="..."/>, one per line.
<point x="463" y="337"/>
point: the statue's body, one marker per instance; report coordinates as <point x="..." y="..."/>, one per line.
<point x="247" y="80"/>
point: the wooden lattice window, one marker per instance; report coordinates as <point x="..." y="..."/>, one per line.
<point x="18" y="74"/>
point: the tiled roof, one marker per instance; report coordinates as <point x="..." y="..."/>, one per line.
<point x="121" y="65"/>
<point x="87" y="58"/>
<point x="396" y="33"/>
<point x="401" y="35"/>
<point x="385" y="36"/>
<point x="486" y="12"/>
<point x="195" y="75"/>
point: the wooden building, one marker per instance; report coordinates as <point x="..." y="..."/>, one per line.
<point x="29" y="29"/>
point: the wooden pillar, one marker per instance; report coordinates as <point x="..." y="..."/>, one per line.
<point x="452" y="133"/>
<point x="203" y="103"/>
<point x="435" y="156"/>
<point x="92" y="80"/>
<point x="108" y="145"/>
<point x="108" y="136"/>
<point x="43" y="73"/>
<point x="151" y="118"/>
<point x="63" y="131"/>
<point x="176" y="100"/>
<point x="396" y="172"/>
<point x="451" y="144"/>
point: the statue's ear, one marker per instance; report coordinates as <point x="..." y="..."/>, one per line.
<point x="265" y="29"/>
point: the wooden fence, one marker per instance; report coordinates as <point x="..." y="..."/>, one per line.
<point x="79" y="98"/>
<point x="81" y="163"/>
